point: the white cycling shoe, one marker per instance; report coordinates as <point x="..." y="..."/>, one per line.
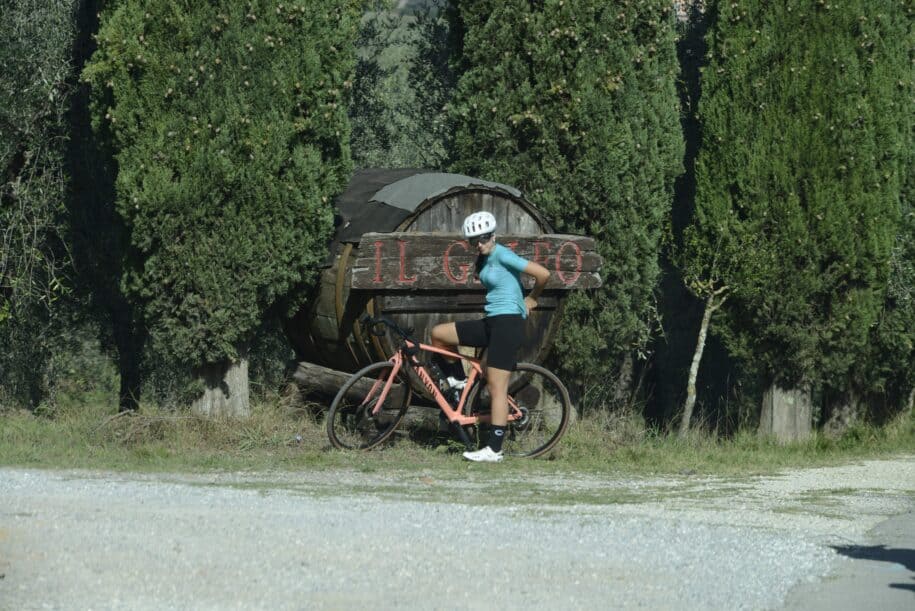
<point x="484" y="455"/>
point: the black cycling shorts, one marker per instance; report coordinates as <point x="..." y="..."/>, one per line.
<point x="500" y="335"/>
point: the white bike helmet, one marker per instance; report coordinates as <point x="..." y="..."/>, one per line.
<point x="479" y="223"/>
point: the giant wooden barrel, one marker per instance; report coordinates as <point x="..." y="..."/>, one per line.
<point x="326" y="332"/>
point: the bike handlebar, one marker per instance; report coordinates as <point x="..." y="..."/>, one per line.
<point x="376" y="327"/>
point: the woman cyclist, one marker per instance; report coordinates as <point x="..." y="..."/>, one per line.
<point x="501" y="330"/>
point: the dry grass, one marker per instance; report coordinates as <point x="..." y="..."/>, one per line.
<point x="285" y="433"/>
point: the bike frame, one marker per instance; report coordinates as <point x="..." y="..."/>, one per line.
<point x="453" y="413"/>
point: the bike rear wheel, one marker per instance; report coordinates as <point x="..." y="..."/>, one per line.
<point x="542" y="399"/>
<point x="351" y="424"/>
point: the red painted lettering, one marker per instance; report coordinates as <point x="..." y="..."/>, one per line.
<point x="378" y="247"/>
<point x="403" y="264"/>
<point x="513" y="245"/>
<point x="541" y="257"/>
<point x="578" y="262"/>
<point x="464" y="267"/>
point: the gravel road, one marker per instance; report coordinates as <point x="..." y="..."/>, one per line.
<point x="345" y="539"/>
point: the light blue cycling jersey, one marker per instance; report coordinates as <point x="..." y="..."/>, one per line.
<point x="501" y="275"/>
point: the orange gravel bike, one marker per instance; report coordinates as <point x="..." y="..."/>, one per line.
<point x="372" y="403"/>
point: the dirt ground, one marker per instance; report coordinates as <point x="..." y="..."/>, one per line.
<point x="482" y="539"/>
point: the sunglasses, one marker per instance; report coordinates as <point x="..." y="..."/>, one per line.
<point x="480" y="239"/>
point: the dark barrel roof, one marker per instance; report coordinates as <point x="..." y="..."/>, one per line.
<point x="381" y="199"/>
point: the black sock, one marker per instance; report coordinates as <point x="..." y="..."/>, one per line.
<point x="496" y="435"/>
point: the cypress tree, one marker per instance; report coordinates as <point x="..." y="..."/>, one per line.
<point x="228" y="121"/>
<point x="805" y="123"/>
<point x="887" y="376"/>
<point x="575" y="103"/>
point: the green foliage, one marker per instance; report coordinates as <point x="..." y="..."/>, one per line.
<point x="806" y="119"/>
<point x="35" y="42"/>
<point x="575" y="103"/>
<point x="36" y="39"/>
<point x="97" y="237"/>
<point x="172" y="387"/>
<point x="231" y="136"/>
<point x="402" y="83"/>
<point x="890" y="364"/>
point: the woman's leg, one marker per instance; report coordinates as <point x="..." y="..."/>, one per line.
<point x="497" y="380"/>
<point x="504" y="341"/>
<point x="445" y="336"/>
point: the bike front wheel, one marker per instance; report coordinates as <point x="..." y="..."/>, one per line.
<point x="545" y="408"/>
<point x="353" y="422"/>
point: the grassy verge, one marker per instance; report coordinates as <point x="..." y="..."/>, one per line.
<point x="278" y="437"/>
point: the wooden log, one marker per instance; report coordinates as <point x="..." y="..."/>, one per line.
<point x="442" y="261"/>
<point x="327" y="382"/>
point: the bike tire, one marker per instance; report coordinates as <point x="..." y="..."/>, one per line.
<point x="547" y="402"/>
<point x="350" y="425"/>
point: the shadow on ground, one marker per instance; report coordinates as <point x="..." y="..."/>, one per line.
<point x="881" y="553"/>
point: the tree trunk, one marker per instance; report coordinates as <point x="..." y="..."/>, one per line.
<point x="843" y="413"/>
<point x="690" y="403"/>
<point x="130" y="338"/>
<point x="786" y="414"/>
<point x="225" y="390"/>
<point x="911" y="403"/>
<point x="623" y="390"/>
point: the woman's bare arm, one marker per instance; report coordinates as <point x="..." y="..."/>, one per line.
<point x="541" y="276"/>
